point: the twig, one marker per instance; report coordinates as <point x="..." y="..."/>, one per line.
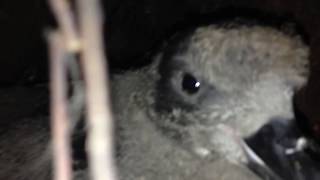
<point x="66" y="21"/>
<point x="59" y="115"/>
<point x="100" y="124"/>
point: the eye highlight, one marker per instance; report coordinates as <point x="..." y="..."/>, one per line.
<point x="190" y="84"/>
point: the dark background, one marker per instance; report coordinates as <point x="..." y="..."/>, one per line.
<point x="133" y="28"/>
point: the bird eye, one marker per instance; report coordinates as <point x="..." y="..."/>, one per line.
<point x="190" y="84"/>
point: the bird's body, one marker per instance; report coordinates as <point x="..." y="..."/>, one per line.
<point x="168" y="114"/>
<point x="247" y="77"/>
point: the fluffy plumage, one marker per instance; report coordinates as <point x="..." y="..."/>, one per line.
<point x="247" y="75"/>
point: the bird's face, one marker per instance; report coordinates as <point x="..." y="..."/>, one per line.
<point x="240" y="76"/>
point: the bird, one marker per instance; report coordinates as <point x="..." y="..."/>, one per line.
<point x="186" y="114"/>
<point x="208" y="89"/>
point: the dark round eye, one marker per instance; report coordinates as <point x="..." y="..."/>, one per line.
<point x="190" y="84"/>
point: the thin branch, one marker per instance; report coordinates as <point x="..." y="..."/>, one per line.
<point x="59" y="115"/>
<point x="66" y="22"/>
<point x="100" y="123"/>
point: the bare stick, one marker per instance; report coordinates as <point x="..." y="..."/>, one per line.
<point x="59" y="115"/>
<point x="100" y="124"/>
<point x="67" y="24"/>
